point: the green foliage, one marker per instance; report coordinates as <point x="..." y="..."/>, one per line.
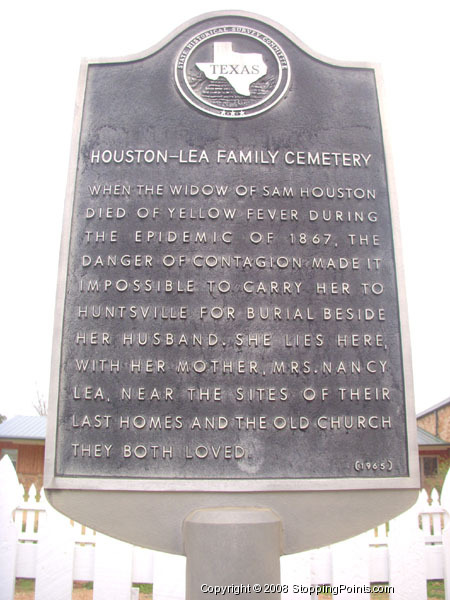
<point x="24" y="585"/>
<point x="443" y="468"/>
<point x="435" y="589"/>
<point x="85" y="585"/>
<point x="144" y="588"/>
<point x="438" y="480"/>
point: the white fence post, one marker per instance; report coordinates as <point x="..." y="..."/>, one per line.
<point x="9" y="499"/>
<point x="113" y="569"/>
<point x="55" y="554"/>
<point x="407" y="561"/>
<point x="296" y="571"/>
<point x="445" y="503"/>
<point x="169" y="580"/>
<point x="350" y="567"/>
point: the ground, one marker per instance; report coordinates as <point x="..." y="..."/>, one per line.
<point x="81" y="591"/>
<point x="25" y="591"/>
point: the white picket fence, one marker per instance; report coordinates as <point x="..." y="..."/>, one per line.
<point x="37" y="542"/>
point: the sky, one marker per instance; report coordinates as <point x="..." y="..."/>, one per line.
<point x="42" y="45"/>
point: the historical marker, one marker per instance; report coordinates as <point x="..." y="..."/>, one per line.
<point x="231" y="325"/>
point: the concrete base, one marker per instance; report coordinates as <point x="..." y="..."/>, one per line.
<point x="232" y="549"/>
<point x="154" y="520"/>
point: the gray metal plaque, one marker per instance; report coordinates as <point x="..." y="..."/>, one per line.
<point x="230" y="313"/>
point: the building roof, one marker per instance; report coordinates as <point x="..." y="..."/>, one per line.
<point x="424" y="438"/>
<point x="433" y="408"/>
<point x="28" y="428"/>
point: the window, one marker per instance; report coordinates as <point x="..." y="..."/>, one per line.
<point x="430" y="466"/>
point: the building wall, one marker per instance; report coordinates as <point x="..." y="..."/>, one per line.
<point x="437" y="423"/>
<point x="428" y="422"/>
<point x="441" y="459"/>
<point x="30" y="462"/>
<point x="444" y="423"/>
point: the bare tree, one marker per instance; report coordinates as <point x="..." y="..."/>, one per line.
<point x="40" y="406"/>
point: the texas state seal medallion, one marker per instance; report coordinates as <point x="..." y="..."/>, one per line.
<point x="232" y="71"/>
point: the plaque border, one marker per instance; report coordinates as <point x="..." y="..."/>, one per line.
<point x="53" y="482"/>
